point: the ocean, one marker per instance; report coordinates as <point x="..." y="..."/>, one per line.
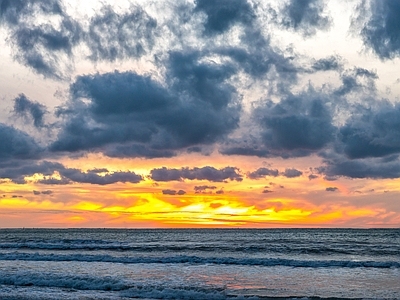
<point x="199" y="264"/>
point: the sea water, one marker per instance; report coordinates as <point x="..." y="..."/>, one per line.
<point x="199" y="264"/>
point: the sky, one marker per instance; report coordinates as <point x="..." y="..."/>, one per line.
<point x="203" y="113"/>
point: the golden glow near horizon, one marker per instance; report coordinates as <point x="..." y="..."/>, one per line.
<point x="241" y="204"/>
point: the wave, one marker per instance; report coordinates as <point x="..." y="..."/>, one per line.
<point x="32" y="286"/>
<point x="89" y="245"/>
<point x="183" y="259"/>
<point x="118" y="286"/>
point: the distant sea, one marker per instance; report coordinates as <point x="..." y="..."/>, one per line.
<point x="199" y="264"/>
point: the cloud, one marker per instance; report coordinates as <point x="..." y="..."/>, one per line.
<point x="356" y="79"/>
<point x="381" y="30"/>
<point x="47" y="192"/>
<point x="204" y="173"/>
<point x="331" y="189"/>
<point x="47" y="169"/>
<point x="203" y="188"/>
<point x="48" y="46"/>
<point x="114" y="36"/>
<point x="12" y="11"/>
<point x="267" y="191"/>
<point x="76" y="175"/>
<point x="17" y="144"/>
<point x="18" y="170"/>
<point x="29" y="109"/>
<point x="45" y="45"/>
<point x="292" y="173"/>
<point x="296" y="126"/>
<point x="196" y="108"/>
<point x="223" y="14"/>
<point x="263" y="172"/>
<point x="306" y="16"/>
<point x="173" y="192"/>
<point x="372" y="132"/>
<point x="371" y="167"/>
<point x="332" y="63"/>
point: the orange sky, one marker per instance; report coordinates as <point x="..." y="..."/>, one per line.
<point x="289" y="202"/>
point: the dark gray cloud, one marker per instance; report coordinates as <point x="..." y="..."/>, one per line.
<point x="146" y="118"/>
<point x="258" y="58"/>
<point x="44" y="47"/>
<point x="292" y="173"/>
<point x="55" y="181"/>
<point x="244" y="148"/>
<point x="204" y="173"/>
<point x="253" y="54"/>
<point x="356" y="79"/>
<point x="312" y="176"/>
<point x="305" y="16"/>
<point x="77" y="175"/>
<point x="331" y="189"/>
<point x="332" y="63"/>
<point x="17" y="173"/>
<point x="16" y="144"/>
<point x="12" y="11"/>
<point x="381" y="32"/>
<point x="30" y="110"/>
<point x="267" y="191"/>
<point x="263" y="172"/>
<point x="17" y="170"/>
<point x="297" y="125"/>
<point x="371" y="167"/>
<point x="47" y="46"/>
<point x="173" y="192"/>
<point x="203" y="188"/>
<point x="223" y="14"/>
<point x="372" y="132"/>
<point x="114" y="36"/>
<point x="46" y="192"/>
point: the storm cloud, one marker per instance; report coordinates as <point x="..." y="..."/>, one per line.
<point x="44" y="47"/>
<point x="203" y="188"/>
<point x="205" y="173"/>
<point x="381" y="31"/>
<point x="221" y="15"/>
<point x="112" y="36"/>
<point x="371" y="167"/>
<point x="305" y="16"/>
<point x="17" y="144"/>
<point x="56" y="173"/>
<point x="296" y="126"/>
<point x="29" y="109"/>
<point x="372" y="132"/>
<point x="173" y="192"/>
<point x="198" y="107"/>
<point x="262" y="173"/>
<point x="291" y="173"/>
